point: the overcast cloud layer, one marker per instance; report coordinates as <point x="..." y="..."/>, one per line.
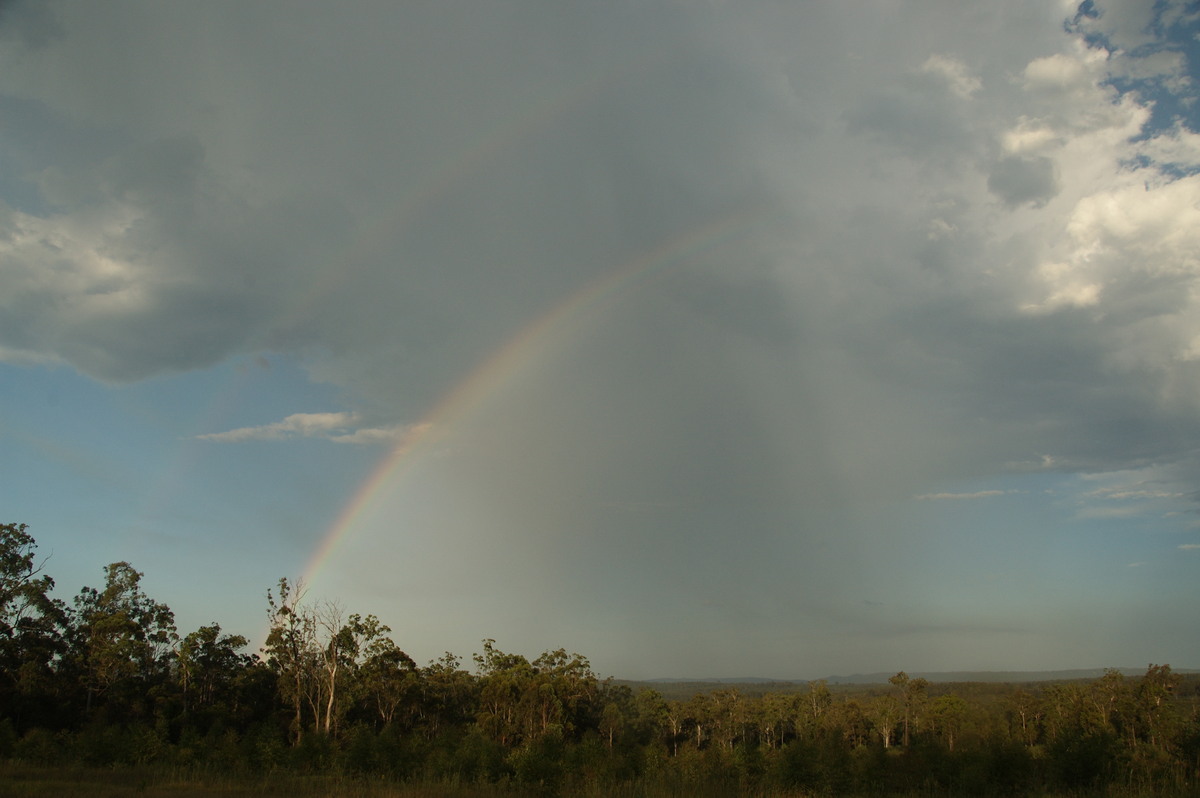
<point x="965" y="273"/>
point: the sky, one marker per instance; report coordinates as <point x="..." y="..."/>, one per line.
<point x="706" y="339"/>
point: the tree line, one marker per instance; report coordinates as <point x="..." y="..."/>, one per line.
<point x="108" y="680"/>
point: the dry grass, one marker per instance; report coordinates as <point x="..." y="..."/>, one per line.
<point x="24" y="781"/>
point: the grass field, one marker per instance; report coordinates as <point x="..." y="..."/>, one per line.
<point x="77" y="782"/>
<point x="27" y="781"/>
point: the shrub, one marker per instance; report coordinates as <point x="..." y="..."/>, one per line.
<point x="39" y="747"/>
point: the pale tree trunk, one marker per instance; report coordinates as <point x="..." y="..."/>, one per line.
<point x="333" y="669"/>
<point x="331" y="620"/>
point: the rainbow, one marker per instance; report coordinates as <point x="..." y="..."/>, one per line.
<point x="520" y="350"/>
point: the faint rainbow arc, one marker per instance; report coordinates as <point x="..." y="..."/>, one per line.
<point x="504" y="362"/>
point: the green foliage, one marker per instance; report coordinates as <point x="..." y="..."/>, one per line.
<point x="264" y="749"/>
<point x="538" y="765"/>
<point x="8" y="738"/>
<point x="121" y="643"/>
<point x="40" y="747"/>
<point x="335" y="701"/>
<point x="33" y="629"/>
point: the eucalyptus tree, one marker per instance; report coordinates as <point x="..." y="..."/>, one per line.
<point x="778" y="714"/>
<point x="912" y="696"/>
<point x="1157" y="719"/>
<point x="947" y="714"/>
<point x="1113" y="701"/>
<point x="555" y="695"/>
<point x="613" y="720"/>
<point x="563" y="694"/>
<point x="1026" y="711"/>
<point x="697" y="717"/>
<point x="852" y="722"/>
<point x="503" y="678"/>
<point x="817" y="704"/>
<point x="652" y="716"/>
<point x="449" y="695"/>
<point x="346" y="645"/>
<point x="33" y="626"/>
<point x="728" y="717"/>
<point x="335" y="655"/>
<point x="677" y="717"/>
<point x="24" y="589"/>
<point x="123" y="640"/>
<point x="209" y="668"/>
<point x="390" y="680"/>
<point x="291" y="651"/>
<point x="885" y="712"/>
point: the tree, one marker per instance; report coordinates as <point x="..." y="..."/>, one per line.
<point x="345" y="644"/>
<point x="651" y="714"/>
<point x="777" y="717"/>
<point x="727" y="716"/>
<point x="208" y="669"/>
<point x="612" y="721"/>
<point x="884" y="713"/>
<point x="948" y="713"/>
<point x="677" y="718"/>
<point x="697" y="716"/>
<point x="852" y="722"/>
<point x="564" y="691"/>
<point x="389" y="678"/>
<point x="817" y="703"/>
<point x="123" y="638"/>
<point x="448" y="694"/>
<point x="1027" y="711"/>
<point x="1156" y="719"/>
<point x="24" y="589"/>
<point x="1110" y="695"/>
<point x="503" y="678"/>
<point x="33" y="626"/>
<point x="912" y="695"/>
<point x="290" y="649"/>
<point x="338" y="652"/>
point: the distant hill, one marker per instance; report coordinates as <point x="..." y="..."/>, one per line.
<point x="722" y="680"/>
<point x="1015" y="677"/>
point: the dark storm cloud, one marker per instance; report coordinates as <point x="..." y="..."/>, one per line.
<point x="251" y="199"/>
<point x="960" y="255"/>
<point x="31" y="22"/>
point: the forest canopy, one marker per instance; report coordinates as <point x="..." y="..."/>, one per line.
<point x="108" y="680"/>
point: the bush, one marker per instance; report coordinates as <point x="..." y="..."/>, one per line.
<point x="99" y="745"/>
<point x="399" y="755"/>
<point x="314" y="753"/>
<point x="8" y="738"/>
<point x="538" y="765"/>
<point x="1082" y="760"/>
<point x="359" y="752"/>
<point x="796" y="766"/>
<point x="142" y="745"/>
<point x="478" y="757"/>
<point x="263" y="748"/>
<point x="39" y="747"/>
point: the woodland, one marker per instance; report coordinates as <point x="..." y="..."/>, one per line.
<point x="104" y="692"/>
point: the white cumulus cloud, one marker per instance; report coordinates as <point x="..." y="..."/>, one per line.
<point x="341" y="427"/>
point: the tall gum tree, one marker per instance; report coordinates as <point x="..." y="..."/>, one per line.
<point x="911" y="693"/>
<point x="123" y="638"/>
<point x="33" y="626"/>
<point x="208" y="664"/>
<point x="290" y="651"/>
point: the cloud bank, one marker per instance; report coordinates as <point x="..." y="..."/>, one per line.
<point x="973" y="243"/>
